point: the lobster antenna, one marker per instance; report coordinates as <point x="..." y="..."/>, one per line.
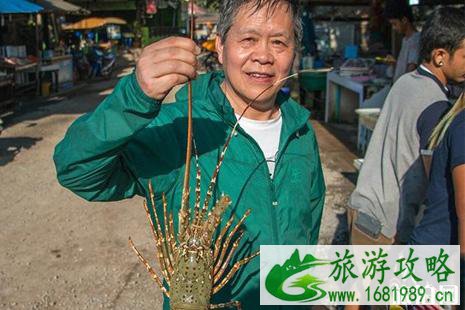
<point x="185" y="190"/>
<point x="196" y="220"/>
<point x="228" y="140"/>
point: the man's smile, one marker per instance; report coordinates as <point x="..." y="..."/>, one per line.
<point x="261" y="77"/>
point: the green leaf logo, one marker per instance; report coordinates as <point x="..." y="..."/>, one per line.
<point x="275" y="279"/>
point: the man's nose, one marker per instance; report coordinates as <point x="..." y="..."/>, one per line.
<point x="262" y="53"/>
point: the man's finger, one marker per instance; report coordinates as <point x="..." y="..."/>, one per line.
<point x="175" y="53"/>
<point x="175" y="67"/>
<point x="170" y="81"/>
<point x="180" y="42"/>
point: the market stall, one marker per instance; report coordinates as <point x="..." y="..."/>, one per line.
<point x="56" y="71"/>
<point x="356" y="38"/>
<point x="348" y="35"/>
<point x="18" y="70"/>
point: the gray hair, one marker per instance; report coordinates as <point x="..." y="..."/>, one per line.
<point x="230" y="8"/>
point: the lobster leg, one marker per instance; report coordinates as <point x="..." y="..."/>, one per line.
<point x="214" y="216"/>
<point x="160" y="240"/>
<point x="149" y="269"/>
<point x="230" y="304"/>
<point x="157" y="235"/>
<point x="233" y="271"/>
<point x="228" y="240"/>
<point x="225" y="264"/>
<point x="184" y="218"/>
<point x="169" y="235"/>
<point x="219" y="240"/>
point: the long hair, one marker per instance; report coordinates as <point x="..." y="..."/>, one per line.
<point x="441" y="128"/>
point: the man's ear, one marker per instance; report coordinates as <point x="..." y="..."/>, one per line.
<point x="439" y="57"/>
<point x="219" y="49"/>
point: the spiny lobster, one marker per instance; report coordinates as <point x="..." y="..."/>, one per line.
<point x="192" y="269"/>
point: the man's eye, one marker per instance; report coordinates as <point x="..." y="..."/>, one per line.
<point x="278" y="42"/>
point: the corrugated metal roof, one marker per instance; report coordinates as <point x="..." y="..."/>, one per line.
<point x="61" y="6"/>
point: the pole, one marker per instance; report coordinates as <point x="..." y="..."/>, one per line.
<point x="38" y="54"/>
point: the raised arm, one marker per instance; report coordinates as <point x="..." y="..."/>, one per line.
<point x="90" y="160"/>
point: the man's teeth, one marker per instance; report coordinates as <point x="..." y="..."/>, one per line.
<point x="260" y="75"/>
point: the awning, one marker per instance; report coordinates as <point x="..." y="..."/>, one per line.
<point x="207" y="18"/>
<point x="61" y="6"/>
<point x="115" y="21"/>
<point x="18" y="6"/>
<point x="198" y="10"/>
<point x="94" y="22"/>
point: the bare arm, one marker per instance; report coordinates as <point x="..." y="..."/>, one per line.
<point x="458" y="176"/>
<point x="427" y="163"/>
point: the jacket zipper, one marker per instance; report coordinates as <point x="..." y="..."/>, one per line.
<point x="274" y="201"/>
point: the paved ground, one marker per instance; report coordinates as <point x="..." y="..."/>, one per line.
<point x="60" y="252"/>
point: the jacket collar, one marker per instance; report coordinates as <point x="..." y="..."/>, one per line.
<point x="206" y="88"/>
<point x="427" y="73"/>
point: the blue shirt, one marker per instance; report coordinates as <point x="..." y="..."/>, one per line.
<point x="439" y="223"/>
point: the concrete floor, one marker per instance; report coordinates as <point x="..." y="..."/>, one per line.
<point x="60" y="252"/>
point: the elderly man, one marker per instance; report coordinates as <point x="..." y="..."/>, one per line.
<point x="272" y="165"/>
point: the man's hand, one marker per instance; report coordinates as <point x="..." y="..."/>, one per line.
<point x="165" y="64"/>
<point x="389" y="59"/>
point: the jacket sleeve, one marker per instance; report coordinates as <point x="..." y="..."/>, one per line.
<point x="318" y="190"/>
<point x="90" y="160"/>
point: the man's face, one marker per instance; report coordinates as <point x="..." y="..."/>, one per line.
<point x="454" y="66"/>
<point x="398" y="25"/>
<point x="257" y="52"/>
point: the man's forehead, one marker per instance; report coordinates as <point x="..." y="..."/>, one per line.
<point x="253" y="30"/>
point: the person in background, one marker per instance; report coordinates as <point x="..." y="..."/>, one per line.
<point x="400" y="16"/>
<point x="443" y="221"/>
<point x="392" y="183"/>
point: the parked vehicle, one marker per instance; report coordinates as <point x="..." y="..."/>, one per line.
<point x="102" y="62"/>
<point x="108" y="64"/>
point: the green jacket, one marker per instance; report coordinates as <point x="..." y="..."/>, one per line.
<point x="112" y="152"/>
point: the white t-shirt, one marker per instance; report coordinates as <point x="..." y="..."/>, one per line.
<point x="266" y="134"/>
<point x="408" y="54"/>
